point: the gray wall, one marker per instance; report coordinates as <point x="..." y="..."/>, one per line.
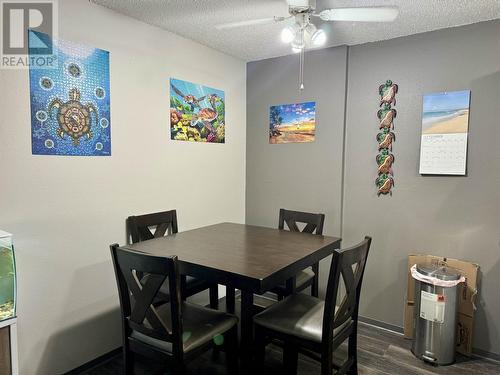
<point x="453" y="216"/>
<point x="306" y="176"/>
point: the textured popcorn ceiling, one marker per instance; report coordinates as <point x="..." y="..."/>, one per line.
<point x="196" y="20"/>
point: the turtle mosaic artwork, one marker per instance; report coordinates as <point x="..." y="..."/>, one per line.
<point x="197" y="112"/>
<point x="70" y="103"/>
<point x="386" y="138"/>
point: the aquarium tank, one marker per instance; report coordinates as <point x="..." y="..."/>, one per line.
<point x="7" y="277"/>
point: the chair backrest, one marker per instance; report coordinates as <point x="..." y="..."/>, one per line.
<point x="163" y="223"/>
<point x="138" y="293"/>
<point x="350" y="265"/>
<point x="313" y="222"/>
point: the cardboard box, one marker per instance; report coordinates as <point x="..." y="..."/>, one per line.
<point x="466" y="298"/>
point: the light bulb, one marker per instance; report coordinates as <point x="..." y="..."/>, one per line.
<point x="287" y="34"/>
<point x="311" y="29"/>
<point x="298" y="41"/>
<point x="318" y="38"/>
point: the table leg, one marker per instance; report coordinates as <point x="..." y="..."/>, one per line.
<point x="246" y="330"/>
<point x="291" y="286"/>
<point x="230" y="299"/>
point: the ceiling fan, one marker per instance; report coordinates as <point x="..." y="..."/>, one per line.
<point x="303" y="33"/>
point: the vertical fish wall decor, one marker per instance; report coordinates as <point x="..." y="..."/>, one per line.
<point x="386" y="137"/>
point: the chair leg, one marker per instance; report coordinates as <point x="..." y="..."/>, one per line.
<point x="128" y="361"/>
<point x="315" y="282"/>
<point x="214" y="297"/>
<point x="326" y="364"/>
<point x="352" y="352"/>
<point x="259" y="349"/>
<point x="231" y="344"/>
<point x="290" y="358"/>
<point x="230" y="299"/>
<point x="179" y="369"/>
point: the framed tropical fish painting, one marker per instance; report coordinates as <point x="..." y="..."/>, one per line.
<point x="197" y="112"/>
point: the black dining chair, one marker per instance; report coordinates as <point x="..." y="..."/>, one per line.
<point x="159" y="224"/>
<point x="310" y="276"/>
<point x="316" y="327"/>
<point x="173" y="332"/>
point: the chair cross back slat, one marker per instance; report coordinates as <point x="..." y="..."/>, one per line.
<point x="165" y="223"/>
<point x="143" y="296"/>
<point x="351" y="282"/>
<point x="314" y="222"/>
<point x="342" y="266"/>
<point x="138" y="293"/>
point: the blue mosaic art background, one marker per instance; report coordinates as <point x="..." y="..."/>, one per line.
<point x="79" y="67"/>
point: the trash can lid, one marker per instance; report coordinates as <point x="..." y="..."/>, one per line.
<point x="439" y="272"/>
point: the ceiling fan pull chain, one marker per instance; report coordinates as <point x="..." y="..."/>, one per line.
<point x="301" y="67"/>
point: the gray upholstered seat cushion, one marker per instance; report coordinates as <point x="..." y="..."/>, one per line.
<point x="200" y="325"/>
<point x="299" y="315"/>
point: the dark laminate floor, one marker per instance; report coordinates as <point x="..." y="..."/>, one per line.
<point x="380" y="353"/>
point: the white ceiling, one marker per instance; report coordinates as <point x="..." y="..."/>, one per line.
<point x="196" y="20"/>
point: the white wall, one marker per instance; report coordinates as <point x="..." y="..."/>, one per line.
<point x="65" y="211"/>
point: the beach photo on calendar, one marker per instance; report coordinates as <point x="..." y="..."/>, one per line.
<point x="446" y="112"/>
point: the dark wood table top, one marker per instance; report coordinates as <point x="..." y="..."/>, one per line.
<point x="247" y="256"/>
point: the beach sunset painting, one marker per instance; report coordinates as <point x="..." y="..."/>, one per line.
<point x="446" y="113"/>
<point x="292" y="123"/>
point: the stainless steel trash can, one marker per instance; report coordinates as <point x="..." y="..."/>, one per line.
<point x="435" y="315"/>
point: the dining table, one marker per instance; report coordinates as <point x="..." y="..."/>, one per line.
<point x="250" y="258"/>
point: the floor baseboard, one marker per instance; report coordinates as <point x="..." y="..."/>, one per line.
<point x="480" y="353"/>
<point x="95" y="363"/>
<point x="383" y="325"/>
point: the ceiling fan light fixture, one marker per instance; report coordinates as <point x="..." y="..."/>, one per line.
<point x="318" y="38"/>
<point x="288" y="34"/>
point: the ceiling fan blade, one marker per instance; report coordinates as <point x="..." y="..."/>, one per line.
<point x="369" y="14"/>
<point x="258" y="21"/>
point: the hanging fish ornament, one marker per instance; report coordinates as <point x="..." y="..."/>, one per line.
<point x="388" y="93"/>
<point x="385" y="139"/>
<point x="384" y="184"/>
<point x="386" y="116"/>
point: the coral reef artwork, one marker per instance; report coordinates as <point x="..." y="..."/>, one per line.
<point x="70" y="102"/>
<point x="386" y="138"/>
<point x="197" y="112"/>
<point x="292" y="123"/>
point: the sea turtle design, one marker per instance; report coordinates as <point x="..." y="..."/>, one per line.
<point x="189" y="99"/>
<point x="386" y="116"/>
<point x="385" y="160"/>
<point x="388" y="92"/>
<point x="74" y="118"/>
<point x="385" y="139"/>
<point x="205" y="117"/>
<point x="384" y="183"/>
